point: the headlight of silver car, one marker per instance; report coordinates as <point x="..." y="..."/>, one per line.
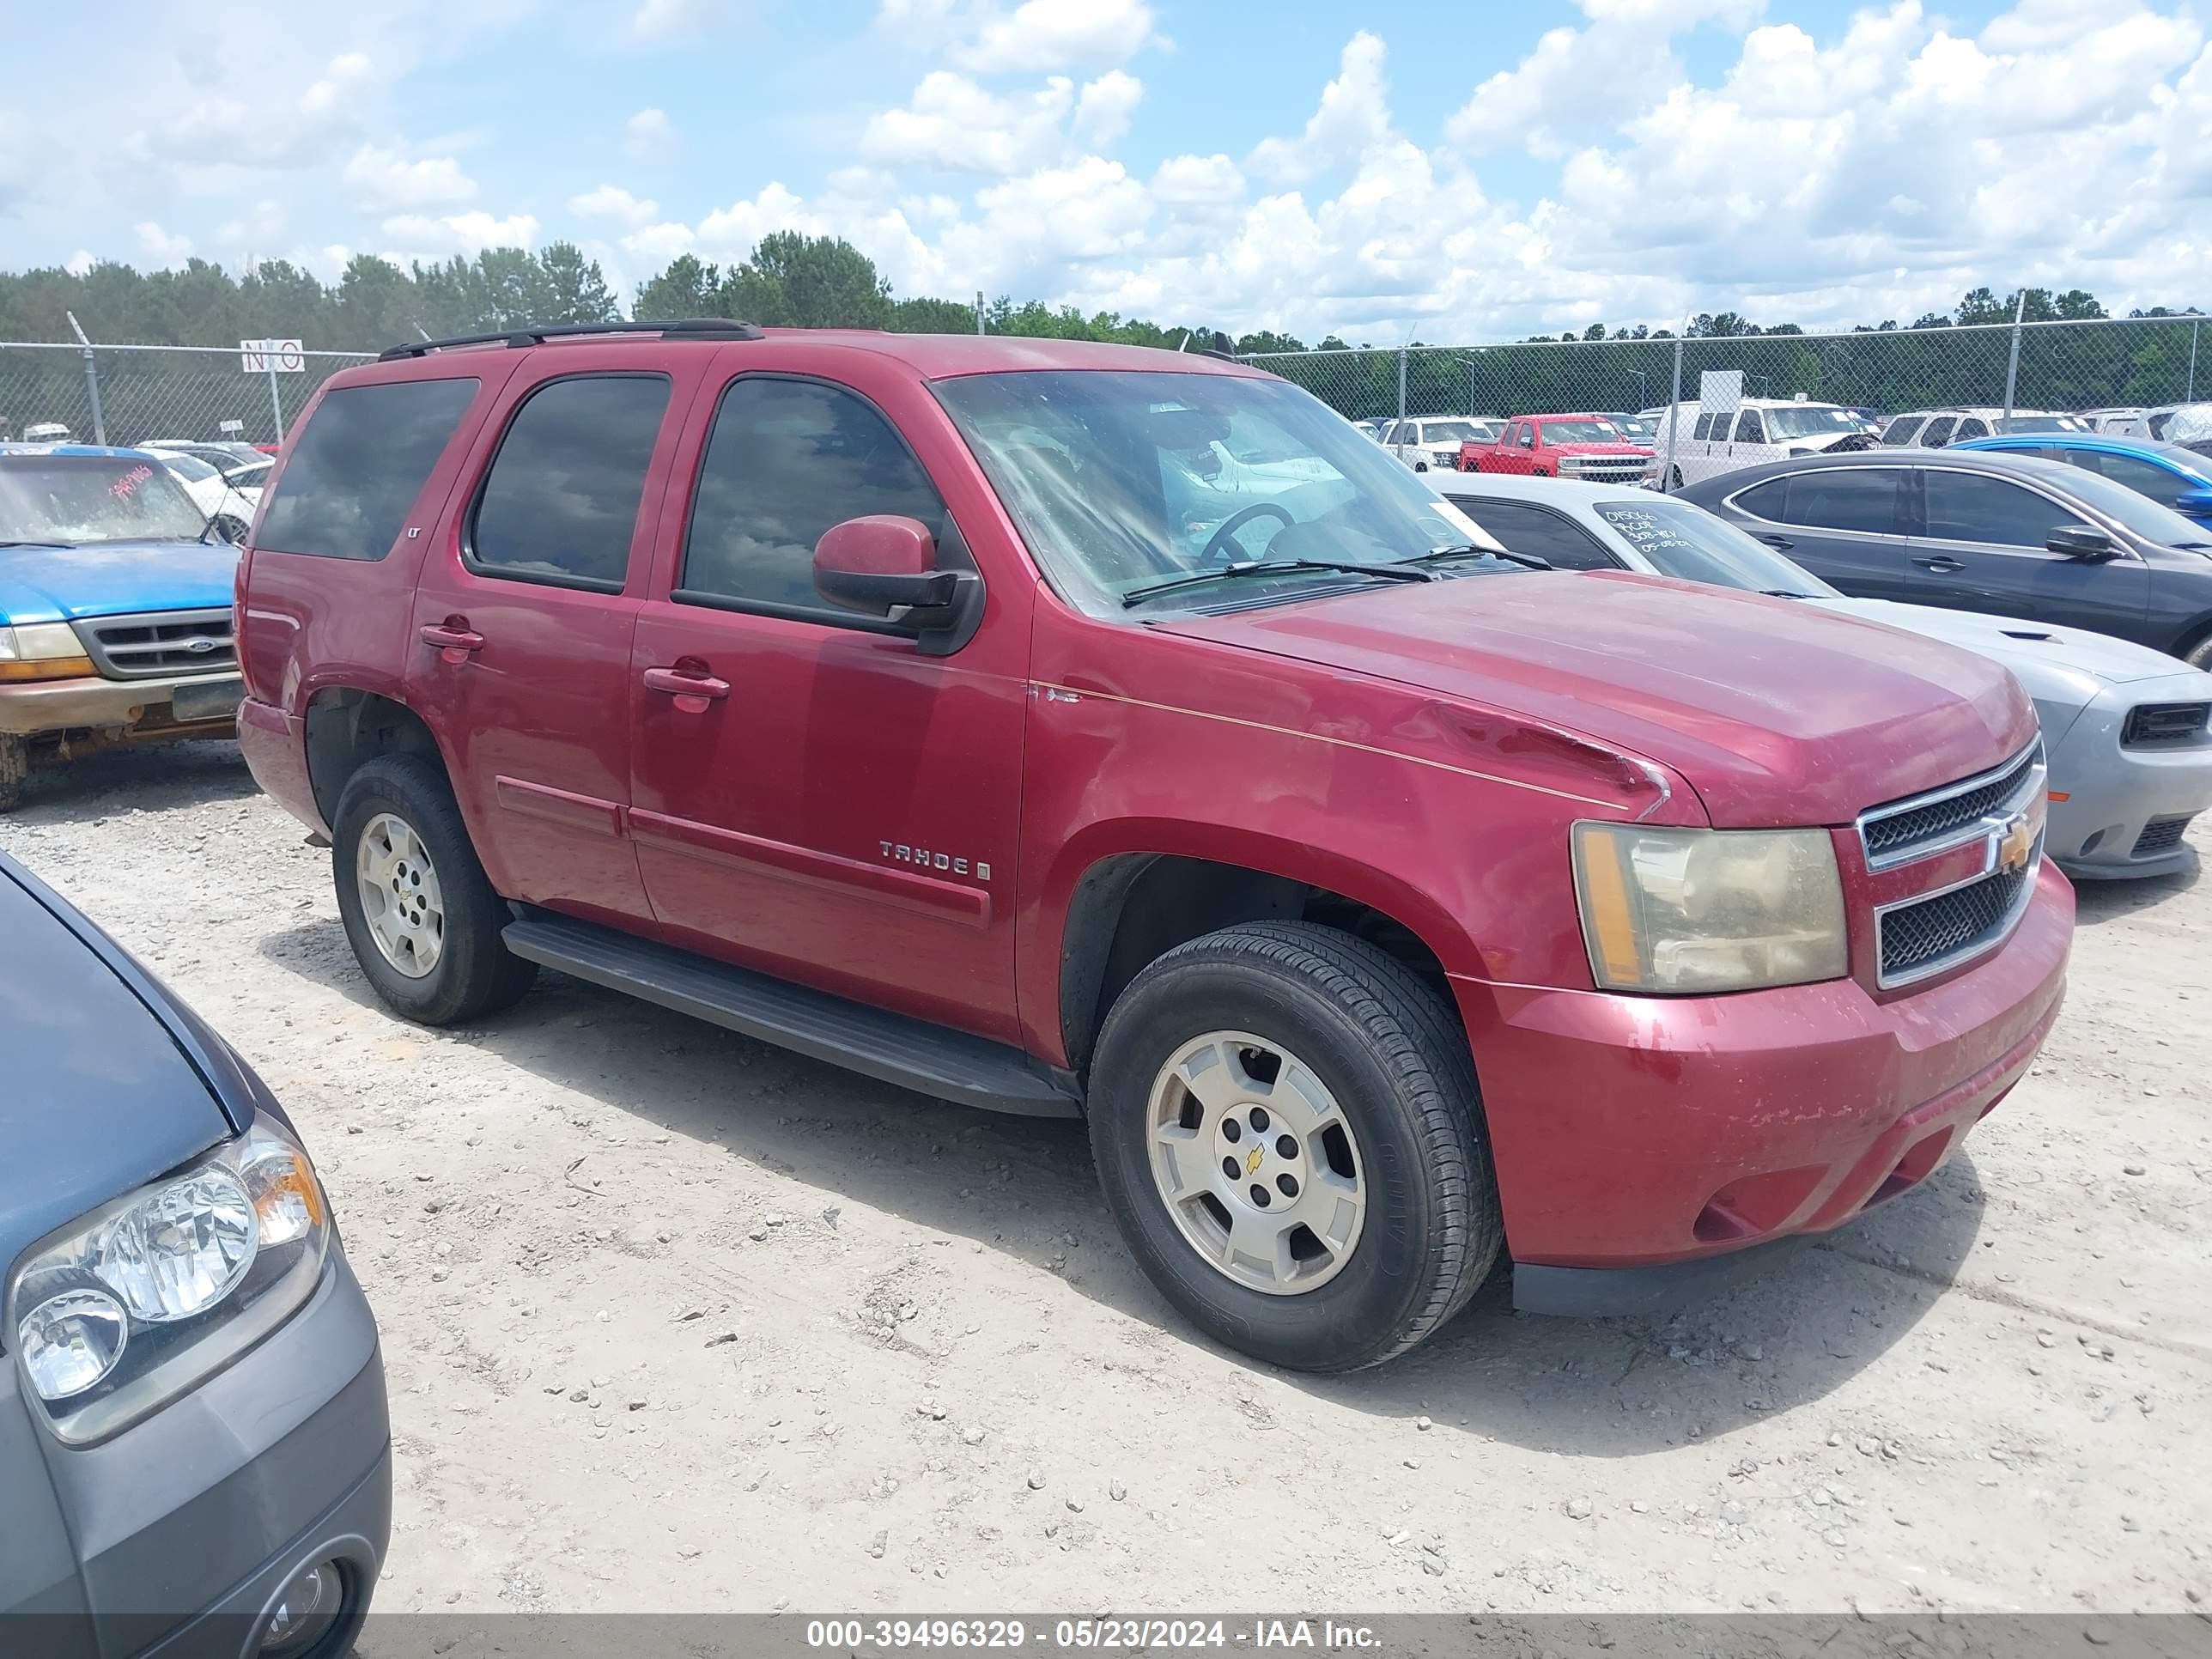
<point x="143" y="1299"/>
<point x="1700" y="910"/>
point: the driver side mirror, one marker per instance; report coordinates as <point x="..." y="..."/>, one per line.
<point x="884" y="564"/>
<point x="2083" y="542"/>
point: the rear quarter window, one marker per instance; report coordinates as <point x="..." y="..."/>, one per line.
<point x="358" y="464"/>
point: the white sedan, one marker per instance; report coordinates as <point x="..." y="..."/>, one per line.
<point x="229" y="507"/>
<point x="2128" y="730"/>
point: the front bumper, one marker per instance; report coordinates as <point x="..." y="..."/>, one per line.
<point x="184" y="1527"/>
<point x="74" y="705"/>
<point x="1631" y="1132"/>
<point x="2116" y="794"/>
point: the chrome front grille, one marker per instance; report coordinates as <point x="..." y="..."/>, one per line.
<point x="2003" y="811"/>
<point x="160" y="642"/>
<point x="1919" y="825"/>
<point x="1922" y="937"/>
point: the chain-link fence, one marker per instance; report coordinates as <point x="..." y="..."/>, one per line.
<point x="2056" y="366"/>
<point x="128" y="394"/>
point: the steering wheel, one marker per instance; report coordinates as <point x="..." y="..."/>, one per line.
<point x="1220" y="547"/>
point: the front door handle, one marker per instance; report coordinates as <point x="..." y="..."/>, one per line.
<point x="453" y="639"/>
<point x="1941" y="565"/>
<point x="692" y="691"/>
<point x="1782" y="542"/>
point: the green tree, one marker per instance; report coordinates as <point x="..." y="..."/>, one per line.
<point x="932" y="317"/>
<point x="685" y="288"/>
<point x="808" y="282"/>
<point x="377" y="305"/>
<point x="575" y="290"/>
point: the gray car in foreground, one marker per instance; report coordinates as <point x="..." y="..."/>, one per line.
<point x="195" y="1456"/>
<point x="2127" y="731"/>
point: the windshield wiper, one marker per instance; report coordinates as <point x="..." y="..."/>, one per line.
<point x="1781" y="593"/>
<point x="1469" y="550"/>
<point x="1395" y="572"/>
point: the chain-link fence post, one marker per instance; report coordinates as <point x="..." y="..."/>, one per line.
<point x="91" y="381"/>
<point x="1674" y="419"/>
<point x="1401" y="381"/>
<point x="276" y="399"/>
<point x="2012" y="364"/>
<point x="2190" y="396"/>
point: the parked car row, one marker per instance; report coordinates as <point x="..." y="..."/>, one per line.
<point x="873" y="694"/>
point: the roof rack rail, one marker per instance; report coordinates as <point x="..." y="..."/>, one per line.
<point x="687" y="328"/>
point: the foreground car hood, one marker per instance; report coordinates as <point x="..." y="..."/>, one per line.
<point x="102" y="1099"/>
<point x="61" y="584"/>
<point x="2052" y="662"/>
<point x="1776" y="711"/>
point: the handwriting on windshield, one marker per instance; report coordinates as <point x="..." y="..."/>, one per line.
<point x="1646" y="532"/>
<point x="126" y="486"/>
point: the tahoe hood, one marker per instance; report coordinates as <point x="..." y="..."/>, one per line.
<point x="1777" y="714"/>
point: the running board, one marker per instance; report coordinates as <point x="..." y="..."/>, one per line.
<point x="913" y="1053"/>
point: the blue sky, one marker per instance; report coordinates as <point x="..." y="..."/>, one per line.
<point x="1461" y="170"/>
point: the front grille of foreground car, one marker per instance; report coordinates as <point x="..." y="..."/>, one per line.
<point x="2160" y="835"/>
<point x="160" y="642"/>
<point x="1906" y="828"/>
<point x="2165" y="722"/>
<point x="1925" y="936"/>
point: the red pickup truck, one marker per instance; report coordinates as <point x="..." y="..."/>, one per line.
<point x="1070" y="729"/>
<point x="1560" y="447"/>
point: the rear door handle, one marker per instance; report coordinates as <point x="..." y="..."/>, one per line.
<point x="1941" y="565"/>
<point x="1782" y="542"/>
<point x="692" y="692"/>
<point x="453" y="639"/>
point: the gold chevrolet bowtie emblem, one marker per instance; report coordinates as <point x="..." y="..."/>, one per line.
<point x="1252" y="1161"/>
<point x="2016" y="843"/>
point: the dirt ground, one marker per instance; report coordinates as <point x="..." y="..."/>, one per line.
<point x="674" y="1321"/>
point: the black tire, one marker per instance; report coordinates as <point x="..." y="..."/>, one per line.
<point x="15" y="767"/>
<point x="474" y="974"/>
<point x="2199" y="655"/>
<point x="1676" y="475"/>
<point x="1388" y="1048"/>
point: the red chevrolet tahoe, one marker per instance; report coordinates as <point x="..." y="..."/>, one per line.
<point x="1587" y="446"/>
<point x="1082" y="730"/>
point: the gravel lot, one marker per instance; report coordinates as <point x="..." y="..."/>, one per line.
<point x="674" y="1321"/>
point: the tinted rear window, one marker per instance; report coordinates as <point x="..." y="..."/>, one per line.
<point x="358" y="465"/>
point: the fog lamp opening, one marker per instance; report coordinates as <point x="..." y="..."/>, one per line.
<point x="308" y="1606"/>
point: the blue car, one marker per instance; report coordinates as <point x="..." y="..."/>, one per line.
<point x="195" y="1443"/>
<point x="2170" y="475"/>
<point x="115" y="599"/>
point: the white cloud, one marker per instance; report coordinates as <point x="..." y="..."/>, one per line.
<point x="161" y="247"/>
<point x="1354" y="112"/>
<point x="425" y="236"/>
<point x="1057" y="34"/>
<point x="649" y="136"/>
<point x="1182" y="180"/>
<point x="253" y="122"/>
<point x="1105" y="106"/>
<point x="80" y="261"/>
<point x="952" y="123"/>
<point x="658" y="20"/>
<point x="383" y="180"/>
<point x="613" y="202"/>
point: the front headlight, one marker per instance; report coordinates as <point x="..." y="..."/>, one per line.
<point x="148" y="1296"/>
<point x="1698" y="910"/>
<point x="42" y="651"/>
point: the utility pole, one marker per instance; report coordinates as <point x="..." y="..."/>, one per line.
<point x="1675" y="410"/>
<point x="2012" y="368"/>
<point x="979" y="311"/>
<point x="91" y="379"/>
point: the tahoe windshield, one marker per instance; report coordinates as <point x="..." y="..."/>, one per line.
<point x="1810" y="421"/>
<point x="83" y="500"/>
<point x="1688" y="543"/>
<point x="1119" y="481"/>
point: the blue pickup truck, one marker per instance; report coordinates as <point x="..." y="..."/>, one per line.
<point x="115" y="596"/>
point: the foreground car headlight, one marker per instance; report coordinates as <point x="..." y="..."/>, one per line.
<point x="1695" y="910"/>
<point x="146" y="1298"/>
<point x="42" y="651"/>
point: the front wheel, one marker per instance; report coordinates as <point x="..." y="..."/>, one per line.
<point x="2199" y="655"/>
<point x="1286" y="1125"/>
<point x="15" y="767"/>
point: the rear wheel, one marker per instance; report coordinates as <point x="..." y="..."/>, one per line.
<point x="15" y="767"/>
<point x="1285" y="1123"/>
<point x="2199" y="655"/>
<point x="421" y="914"/>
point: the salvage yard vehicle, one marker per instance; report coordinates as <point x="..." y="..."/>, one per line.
<point x="227" y="508"/>
<point x="1750" y="432"/>
<point x="1429" y="441"/>
<point x="2165" y="473"/>
<point x="1390" y="908"/>
<point x="195" y="1453"/>
<point x="2012" y="535"/>
<point x="1558" y="445"/>
<point x="2124" y="727"/>
<point x="115" y="623"/>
